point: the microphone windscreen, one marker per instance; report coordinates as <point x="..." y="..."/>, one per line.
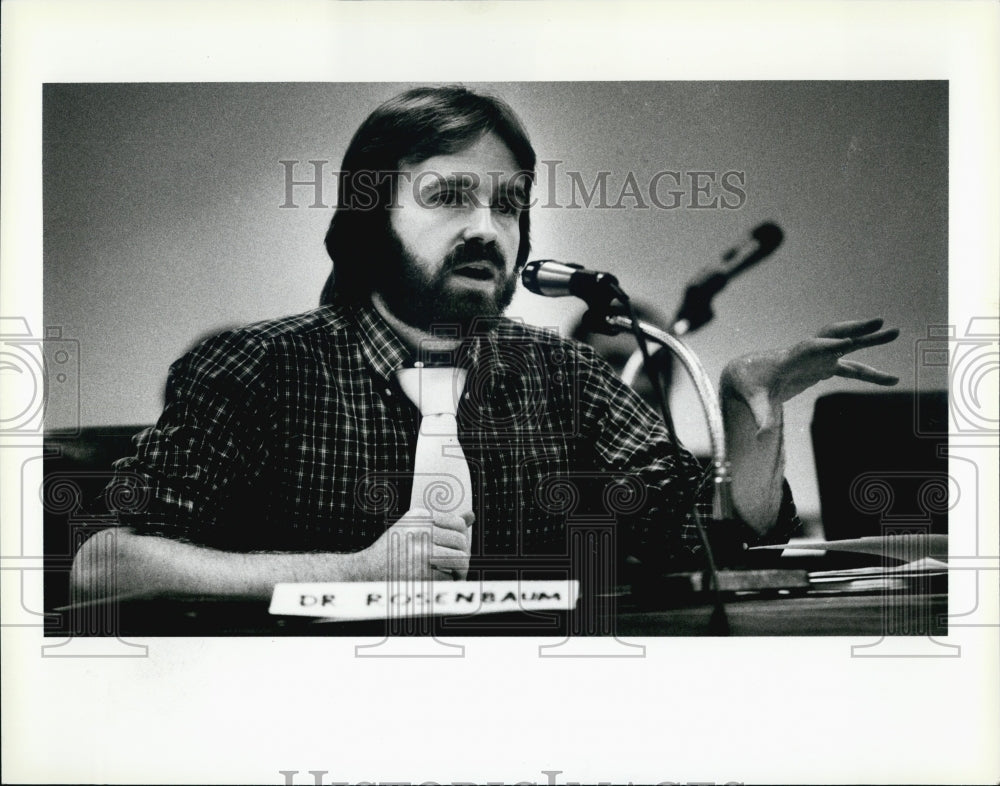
<point x="769" y="236"/>
<point x="549" y="277"/>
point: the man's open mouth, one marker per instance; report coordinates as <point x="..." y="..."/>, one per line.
<point x="478" y="271"/>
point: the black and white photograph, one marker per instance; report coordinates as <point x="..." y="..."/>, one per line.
<point x="299" y="294"/>
<point x="335" y="389"/>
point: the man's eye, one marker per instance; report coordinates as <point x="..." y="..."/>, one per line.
<point x="452" y="197"/>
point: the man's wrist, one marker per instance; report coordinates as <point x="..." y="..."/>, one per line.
<point x="743" y="384"/>
<point x="746" y="378"/>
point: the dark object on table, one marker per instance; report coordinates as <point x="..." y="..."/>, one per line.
<point x="881" y="462"/>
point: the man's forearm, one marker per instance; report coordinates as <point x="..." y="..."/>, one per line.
<point x="120" y="563"/>
<point x="757" y="460"/>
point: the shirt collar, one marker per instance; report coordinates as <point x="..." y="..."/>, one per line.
<point x="381" y="347"/>
<point x="386" y="353"/>
<point x="482" y="351"/>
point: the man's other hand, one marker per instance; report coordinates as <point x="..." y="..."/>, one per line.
<point x="421" y="545"/>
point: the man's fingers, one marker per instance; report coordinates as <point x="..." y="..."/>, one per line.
<point x="442" y="555"/>
<point x="842" y="346"/>
<point x="450" y="561"/>
<point x="452" y="544"/>
<point x="450" y="539"/>
<point x="423" y="517"/>
<point x="850" y="329"/>
<point x="874" y="339"/>
<point x="853" y="370"/>
<point x="452" y="521"/>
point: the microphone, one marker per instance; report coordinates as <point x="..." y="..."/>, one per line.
<point x="557" y="279"/>
<point x="766" y="238"/>
<point x="696" y="310"/>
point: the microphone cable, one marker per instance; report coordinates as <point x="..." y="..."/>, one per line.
<point x="651" y="372"/>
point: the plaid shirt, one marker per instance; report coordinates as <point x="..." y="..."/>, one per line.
<point x="293" y="435"/>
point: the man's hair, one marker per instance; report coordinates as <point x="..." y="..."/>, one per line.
<point x="405" y="130"/>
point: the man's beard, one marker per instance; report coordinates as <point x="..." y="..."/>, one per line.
<point x="424" y="301"/>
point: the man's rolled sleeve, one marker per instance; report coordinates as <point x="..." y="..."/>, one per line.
<point x="207" y="446"/>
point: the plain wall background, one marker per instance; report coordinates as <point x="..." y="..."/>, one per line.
<point x="163" y="219"/>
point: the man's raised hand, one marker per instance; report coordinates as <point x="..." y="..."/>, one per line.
<point x="767" y="380"/>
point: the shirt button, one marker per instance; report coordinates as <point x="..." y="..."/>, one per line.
<point x="388" y="392"/>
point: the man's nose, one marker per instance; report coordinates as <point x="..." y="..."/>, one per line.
<point x="481" y="224"/>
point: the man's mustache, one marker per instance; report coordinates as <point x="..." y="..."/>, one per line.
<point x="475" y="251"/>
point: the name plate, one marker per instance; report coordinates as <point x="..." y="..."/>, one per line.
<point x="382" y="600"/>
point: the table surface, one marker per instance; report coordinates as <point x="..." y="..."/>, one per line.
<point x="809" y="613"/>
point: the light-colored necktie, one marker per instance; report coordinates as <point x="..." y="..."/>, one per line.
<point x="441" y="478"/>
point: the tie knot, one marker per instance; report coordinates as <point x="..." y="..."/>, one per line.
<point x="435" y="390"/>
